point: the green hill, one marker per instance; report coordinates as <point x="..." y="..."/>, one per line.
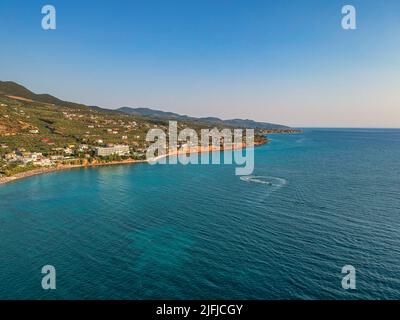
<point x="10" y="88"/>
<point x="42" y="122"/>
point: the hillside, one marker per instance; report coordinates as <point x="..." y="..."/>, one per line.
<point x="42" y="130"/>
<point x="17" y="91"/>
<point x="45" y="127"/>
<point x="44" y="123"/>
<point x="237" y="123"/>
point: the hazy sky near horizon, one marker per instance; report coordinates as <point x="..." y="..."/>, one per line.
<point x="287" y="62"/>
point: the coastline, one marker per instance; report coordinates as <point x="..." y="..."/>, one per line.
<point x="59" y="167"/>
<point x="44" y="170"/>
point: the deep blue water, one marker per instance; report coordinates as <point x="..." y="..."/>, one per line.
<point x="199" y="231"/>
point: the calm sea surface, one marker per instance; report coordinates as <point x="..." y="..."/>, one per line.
<point x="317" y="201"/>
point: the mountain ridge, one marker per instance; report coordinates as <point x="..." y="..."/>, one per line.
<point x="165" y="115"/>
<point x="15" y="90"/>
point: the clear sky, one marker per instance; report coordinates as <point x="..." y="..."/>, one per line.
<point x="286" y="61"/>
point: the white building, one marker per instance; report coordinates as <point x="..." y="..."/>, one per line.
<point x="43" y="162"/>
<point x="56" y="157"/>
<point x="68" y="151"/>
<point x="83" y="147"/>
<point x="29" y="157"/>
<point x="120" y="150"/>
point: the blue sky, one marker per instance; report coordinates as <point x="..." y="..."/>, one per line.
<point x="284" y="61"/>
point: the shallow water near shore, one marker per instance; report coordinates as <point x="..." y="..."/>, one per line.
<point x="315" y="202"/>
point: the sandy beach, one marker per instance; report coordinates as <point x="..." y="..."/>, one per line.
<point x="45" y="170"/>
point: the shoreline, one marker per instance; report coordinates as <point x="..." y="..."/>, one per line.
<point x="44" y="170"/>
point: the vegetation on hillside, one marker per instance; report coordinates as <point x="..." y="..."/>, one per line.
<point x="68" y="132"/>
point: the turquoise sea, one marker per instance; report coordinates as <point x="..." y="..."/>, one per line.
<point x="317" y="201"/>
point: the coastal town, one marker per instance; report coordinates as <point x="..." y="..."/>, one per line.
<point x="36" y="135"/>
<point x="42" y="133"/>
<point x="71" y="154"/>
<point x="69" y="137"/>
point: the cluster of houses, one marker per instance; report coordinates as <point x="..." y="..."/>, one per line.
<point x="71" y="116"/>
<point x="35" y="158"/>
<point x="68" y="154"/>
<point x="94" y="121"/>
<point x="110" y="126"/>
<point x="97" y="147"/>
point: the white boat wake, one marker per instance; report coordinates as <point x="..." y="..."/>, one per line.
<point x="271" y="183"/>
